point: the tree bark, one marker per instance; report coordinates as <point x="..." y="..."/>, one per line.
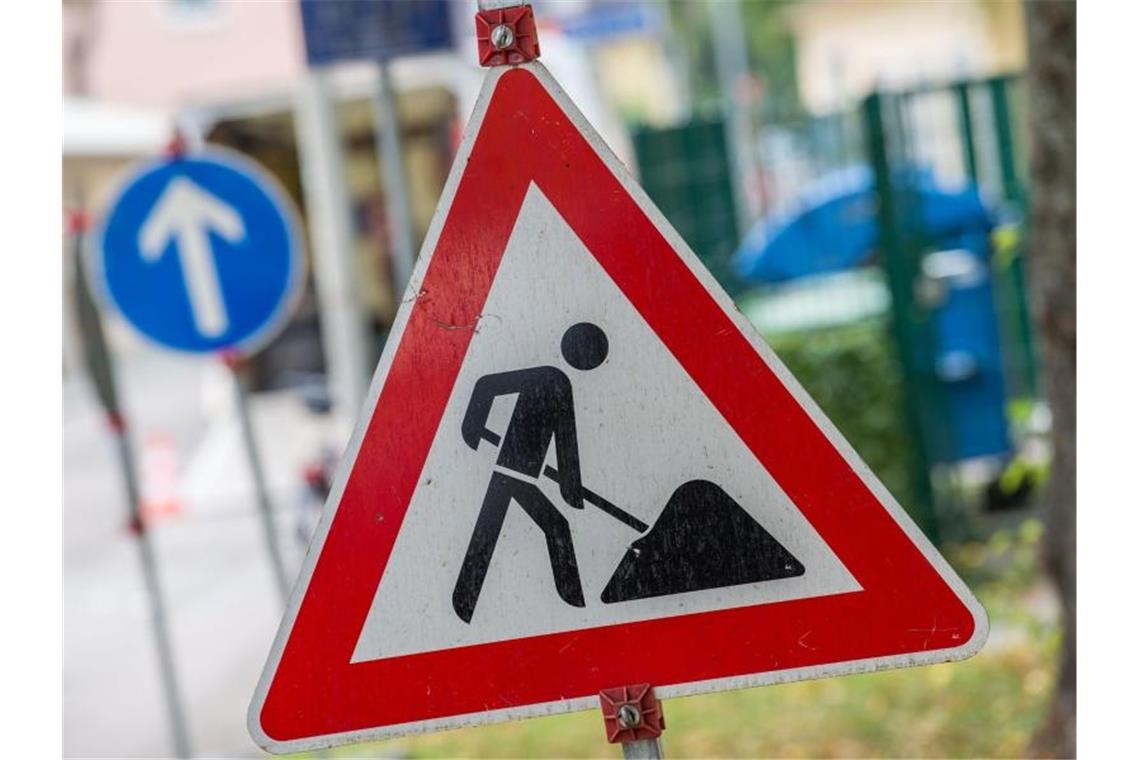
<point x="1052" y="80"/>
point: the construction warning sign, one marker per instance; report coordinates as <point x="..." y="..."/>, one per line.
<point x="579" y="468"/>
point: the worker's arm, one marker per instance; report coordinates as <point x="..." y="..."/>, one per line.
<point x="483" y="396"/>
<point x="566" y="446"/>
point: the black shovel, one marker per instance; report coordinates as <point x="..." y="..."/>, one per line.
<point x="610" y="509"/>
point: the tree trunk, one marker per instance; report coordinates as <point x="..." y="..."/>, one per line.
<point x="1052" y="29"/>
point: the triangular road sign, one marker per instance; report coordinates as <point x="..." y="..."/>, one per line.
<point x="558" y="330"/>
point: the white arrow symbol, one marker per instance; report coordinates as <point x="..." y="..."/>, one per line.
<point x="186" y="213"/>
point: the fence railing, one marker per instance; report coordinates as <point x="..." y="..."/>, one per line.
<point x="939" y="393"/>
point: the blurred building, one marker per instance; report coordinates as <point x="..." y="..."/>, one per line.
<point x="631" y="50"/>
<point x="235" y="73"/>
<point x="230" y="73"/>
<point x="844" y="50"/>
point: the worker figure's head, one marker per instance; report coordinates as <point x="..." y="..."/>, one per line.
<point x="584" y="346"/>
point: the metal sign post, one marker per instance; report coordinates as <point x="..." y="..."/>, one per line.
<point x="350" y="30"/>
<point x="344" y="337"/>
<point x="391" y="155"/>
<point x="138" y="527"/>
<point x="730" y="55"/>
<point x="233" y="362"/>
<point x="97" y="358"/>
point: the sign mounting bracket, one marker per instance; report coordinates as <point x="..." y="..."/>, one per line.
<point x="633" y="718"/>
<point x="505" y="32"/>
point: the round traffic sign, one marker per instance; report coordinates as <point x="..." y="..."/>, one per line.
<point x="201" y="253"/>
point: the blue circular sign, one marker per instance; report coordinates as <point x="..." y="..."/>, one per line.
<point x="201" y="253"/>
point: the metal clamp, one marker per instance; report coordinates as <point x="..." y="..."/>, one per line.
<point x="633" y="718"/>
<point x="506" y="36"/>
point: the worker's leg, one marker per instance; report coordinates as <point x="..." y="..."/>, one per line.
<point x="482" y="546"/>
<point x="558" y="541"/>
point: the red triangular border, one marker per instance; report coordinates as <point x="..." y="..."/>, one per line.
<point x="909" y="611"/>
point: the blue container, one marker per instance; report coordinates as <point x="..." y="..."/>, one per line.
<point x="835" y="228"/>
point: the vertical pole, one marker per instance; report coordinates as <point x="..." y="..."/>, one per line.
<point x="391" y="155"/>
<point x="1011" y="185"/>
<point x="171" y="692"/>
<point x="264" y="505"/>
<point x="1015" y="194"/>
<point x="343" y="336"/>
<point x="901" y="276"/>
<point x="730" y="51"/>
<point x="966" y="129"/>
<point x="643" y="749"/>
<point x="100" y="366"/>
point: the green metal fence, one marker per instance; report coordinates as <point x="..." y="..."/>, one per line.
<point x="863" y="343"/>
<point x="965" y="131"/>
<point x="685" y="170"/>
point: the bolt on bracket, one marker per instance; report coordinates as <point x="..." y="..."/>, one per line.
<point x="506" y="36"/>
<point x="631" y="713"/>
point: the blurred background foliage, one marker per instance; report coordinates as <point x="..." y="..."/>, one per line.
<point x="771" y="52"/>
<point x="852" y="374"/>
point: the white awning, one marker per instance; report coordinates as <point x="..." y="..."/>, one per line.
<point x="95" y="128"/>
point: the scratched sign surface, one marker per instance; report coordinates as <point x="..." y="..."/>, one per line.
<point x="200" y="253"/>
<point x="579" y="468"/>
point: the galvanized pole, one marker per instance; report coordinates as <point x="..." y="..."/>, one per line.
<point x="645" y="749"/>
<point x="343" y="333"/>
<point x="100" y="366"/>
<point x="172" y="693"/>
<point x="264" y="504"/>
<point x="730" y="56"/>
<point x="391" y="158"/>
<point x="494" y="5"/>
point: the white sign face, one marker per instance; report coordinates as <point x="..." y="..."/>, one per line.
<point x="644" y="428"/>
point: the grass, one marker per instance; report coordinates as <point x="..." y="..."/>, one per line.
<point x="988" y="706"/>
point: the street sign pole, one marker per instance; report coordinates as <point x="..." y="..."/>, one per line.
<point x="343" y="334"/>
<point x="233" y="363"/>
<point x="391" y="158"/>
<point x="138" y="527"/>
<point x="233" y="360"/>
<point x="644" y="749"/>
<point x="348" y="30"/>
<point x="730" y="54"/>
<point x="97" y="357"/>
